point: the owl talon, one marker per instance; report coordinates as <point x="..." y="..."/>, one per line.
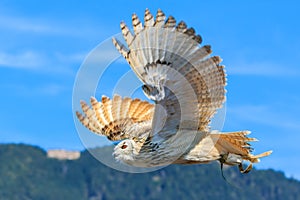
<point x="247" y="170"/>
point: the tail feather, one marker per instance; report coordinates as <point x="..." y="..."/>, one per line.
<point x="234" y="148"/>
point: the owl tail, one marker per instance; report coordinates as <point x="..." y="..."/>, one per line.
<point x="234" y="148"/>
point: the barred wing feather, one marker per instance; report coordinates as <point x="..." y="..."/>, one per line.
<point x="117" y="118"/>
<point x="175" y="70"/>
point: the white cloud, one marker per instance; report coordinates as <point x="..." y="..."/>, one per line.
<point x="47" y="89"/>
<point x="267" y="116"/>
<point x="54" y="26"/>
<point x="25" y="60"/>
<point x="69" y="58"/>
<point x="56" y="63"/>
<point x="52" y="89"/>
<point x="23" y="25"/>
<point x="29" y="25"/>
<point x="97" y="56"/>
<point x="262" y="69"/>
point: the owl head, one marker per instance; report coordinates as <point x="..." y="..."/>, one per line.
<point x="124" y="151"/>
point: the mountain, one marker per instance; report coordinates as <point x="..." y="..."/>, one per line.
<point x="27" y="173"/>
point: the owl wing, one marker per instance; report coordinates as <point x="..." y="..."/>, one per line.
<point x="117" y="118"/>
<point x="186" y="83"/>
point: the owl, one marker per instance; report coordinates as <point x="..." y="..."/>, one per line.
<point x="187" y="87"/>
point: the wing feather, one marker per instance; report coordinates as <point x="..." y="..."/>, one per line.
<point x="137" y="25"/>
<point x="117" y="118"/>
<point x="126" y="33"/>
<point x="161" y="47"/>
<point x="160" y="19"/>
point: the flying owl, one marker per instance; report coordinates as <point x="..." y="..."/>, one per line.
<point x="187" y="86"/>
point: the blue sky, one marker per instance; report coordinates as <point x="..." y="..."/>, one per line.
<point x="43" y="44"/>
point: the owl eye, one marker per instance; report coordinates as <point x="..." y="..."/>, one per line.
<point x="124" y="146"/>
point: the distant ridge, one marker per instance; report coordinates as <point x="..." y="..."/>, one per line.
<point x="27" y="173"/>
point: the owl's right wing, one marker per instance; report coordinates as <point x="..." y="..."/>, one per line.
<point x="186" y="83"/>
<point x="117" y="118"/>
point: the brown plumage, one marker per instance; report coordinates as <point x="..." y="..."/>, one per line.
<point x="187" y="86"/>
<point x="112" y="118"/>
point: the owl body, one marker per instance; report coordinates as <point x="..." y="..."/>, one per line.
<point x="187" y="86"/>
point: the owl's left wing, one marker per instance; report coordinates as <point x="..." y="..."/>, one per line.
<point x="117" y="118"/>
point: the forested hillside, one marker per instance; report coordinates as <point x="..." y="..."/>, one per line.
<point x="27" y="173"/>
